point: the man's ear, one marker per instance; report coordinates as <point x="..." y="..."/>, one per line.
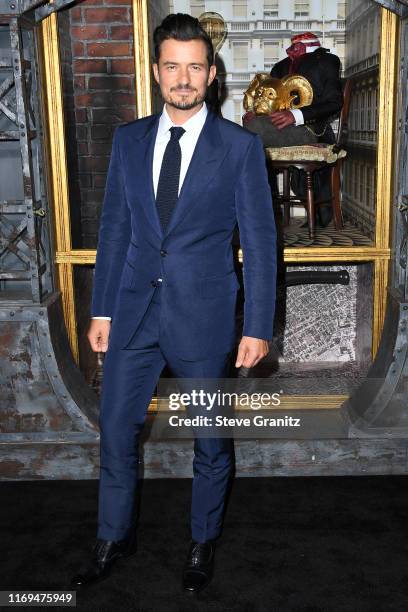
<point x="156" y="73"/>
<point x="211" y="74"/>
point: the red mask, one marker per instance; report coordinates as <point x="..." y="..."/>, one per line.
<point x="296" y="50"/>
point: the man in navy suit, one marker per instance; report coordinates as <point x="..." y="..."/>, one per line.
<point x="165" y="286"/>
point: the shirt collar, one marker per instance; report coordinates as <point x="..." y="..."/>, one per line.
<point x="195" y="122"/>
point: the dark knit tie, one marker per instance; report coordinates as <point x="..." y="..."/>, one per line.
<point x="168" y="185"/>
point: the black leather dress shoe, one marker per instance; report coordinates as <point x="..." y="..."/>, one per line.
<point x="104" y="554"/>
<point x="198" y="568"/>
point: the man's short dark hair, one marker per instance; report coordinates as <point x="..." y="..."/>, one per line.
<point x="181" y="26"/>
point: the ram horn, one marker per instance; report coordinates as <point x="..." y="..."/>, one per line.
<point x="298" y="91"/>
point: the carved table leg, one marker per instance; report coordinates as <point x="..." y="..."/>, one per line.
<point x="310" y="205"/>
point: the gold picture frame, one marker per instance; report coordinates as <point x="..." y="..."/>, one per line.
<point x="66" y="257"/>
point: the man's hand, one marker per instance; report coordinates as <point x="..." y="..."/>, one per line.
<point x="282" y="119"/>
<point x="98" y="335"/>
<point x="251" y="351"/>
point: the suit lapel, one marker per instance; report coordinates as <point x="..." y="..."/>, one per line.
<point x="142" y="177"/>
<point x="208" y="154"/>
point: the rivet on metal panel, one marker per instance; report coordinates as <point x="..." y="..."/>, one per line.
<point x="12" y="314"/>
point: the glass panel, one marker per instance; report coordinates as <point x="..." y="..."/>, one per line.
<point x="259" y="43"/>
<point x="251" y="46"/>
<point x="98" y="77"/>
<point x="328" y="351"/>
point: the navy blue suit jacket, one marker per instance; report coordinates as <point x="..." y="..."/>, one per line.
<point x="226" y="183"/>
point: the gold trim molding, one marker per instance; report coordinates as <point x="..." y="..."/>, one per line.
<point x="291" y="255"/>
<point x="386" y="116"/>
<point x="58" y="170"/>
<point x="288" y="402"/>
<point x="142" y="58"/>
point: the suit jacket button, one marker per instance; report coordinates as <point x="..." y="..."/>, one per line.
<point x="163" y="253"/>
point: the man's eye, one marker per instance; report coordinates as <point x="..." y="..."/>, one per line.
<point x="170" y="67"/>
<point x="196" y="67"/>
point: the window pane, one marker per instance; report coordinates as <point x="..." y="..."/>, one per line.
<point x="239" y="8"/>
<point x="240" y="56"/>
<point x="302" y="9"/>
<point x="197" y="8"/>
<point x="271" y="9"/>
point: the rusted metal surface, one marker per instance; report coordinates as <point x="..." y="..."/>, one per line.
<point x="173" y="459"/>
<point x="379" y="407"/>
<point x="39" y="8"/>
<point x="400" y="7"/>
<point x="44" y="397"/>
<point x="45" y="403"/>
<point x="25" y="252"/>
<point x="48" y="461"/>
<point x="286" y="458"/>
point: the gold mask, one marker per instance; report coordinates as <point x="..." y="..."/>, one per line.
<point x="267" y="94"/>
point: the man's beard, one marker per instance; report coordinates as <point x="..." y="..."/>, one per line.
<point x="185" y="105"/>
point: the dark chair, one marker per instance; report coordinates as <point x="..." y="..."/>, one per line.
<point x="310" y="158"/>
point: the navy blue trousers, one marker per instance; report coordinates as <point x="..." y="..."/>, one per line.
<point x="130" y="376"/>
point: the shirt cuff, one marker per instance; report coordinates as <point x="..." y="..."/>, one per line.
<point x="104" y="318"/>
<point x="298" y="115"/>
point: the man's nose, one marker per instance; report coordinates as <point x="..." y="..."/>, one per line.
<point x="184" y="76"/>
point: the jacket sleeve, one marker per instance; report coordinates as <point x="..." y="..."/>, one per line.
<point x="113" y="238"/>
<point x="256" y="222"/>
<point x="331" y="101"/>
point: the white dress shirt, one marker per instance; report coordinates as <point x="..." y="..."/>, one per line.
<point x="296" y="112"/>
<point x="188" y="141"/>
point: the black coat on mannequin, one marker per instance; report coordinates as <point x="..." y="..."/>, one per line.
<point x="322" y="70"/>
